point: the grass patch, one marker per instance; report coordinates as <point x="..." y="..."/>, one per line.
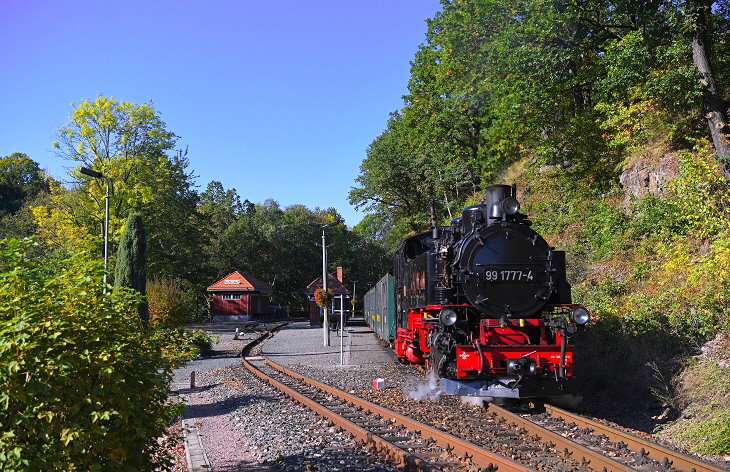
<point x="704" y="394"/>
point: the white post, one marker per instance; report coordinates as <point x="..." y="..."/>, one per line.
<point x="325" y="311"/>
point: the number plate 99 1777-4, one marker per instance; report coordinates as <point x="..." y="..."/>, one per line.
<point x="511" y="275"/>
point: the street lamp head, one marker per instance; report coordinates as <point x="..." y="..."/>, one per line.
<point x="92" y="173"/>
<point x="328" y="225"/>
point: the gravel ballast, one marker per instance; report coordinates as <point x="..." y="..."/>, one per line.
<point x="244" y="424"/>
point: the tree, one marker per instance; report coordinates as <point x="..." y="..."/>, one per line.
<point x="221" y="208"/>
<point x="131" y="271"/>
<point x="176" y="231"/>
<point x="20" y="181"/>
<point x="393" y="178"/>
<point x="130" y="145"/>
<point x="714" y="107"/>
<point x="126" y="143"/>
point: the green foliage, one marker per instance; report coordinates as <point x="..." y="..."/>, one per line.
<point x="393" y="178"/>
<point x="20" y="180"/>
<point x="84" y="386"/>
<point x="176" y="231"/>
<point x="181" y="343"/>
<point x="169" y="304"/>
<point x="656" y="277"/>
<point x="129" y="144"/>
<point x="701" y="195"/>
<point x="131" y="267"/>
<point x="18" y="225"/>
<point x="199" y="340"/>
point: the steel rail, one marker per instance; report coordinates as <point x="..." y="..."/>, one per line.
<point x="458" y="446"/>
<point x="404" y="458"/>
<point x="595" y="459"/>
<point x="656" y="452"/>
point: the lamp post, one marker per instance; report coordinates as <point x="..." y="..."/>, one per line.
<point x="99" y="175"/>
<point x="324" y="278"/>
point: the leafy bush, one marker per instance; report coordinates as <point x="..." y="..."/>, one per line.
<point x="199" y="339"/>
<point x="84" y="387"/>
<point x="168" y="303"/>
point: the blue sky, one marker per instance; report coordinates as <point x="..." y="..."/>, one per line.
<point x="277" y="99"/>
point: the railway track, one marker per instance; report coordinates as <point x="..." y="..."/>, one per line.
<point x="646" y="455"/>
<point x="496" y="439"/>
<point x="414" y="445"/>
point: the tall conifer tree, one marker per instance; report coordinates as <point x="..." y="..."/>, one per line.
<point x="130" y="269"/>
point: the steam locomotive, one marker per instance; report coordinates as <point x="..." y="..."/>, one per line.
<point x="484" y="303"/>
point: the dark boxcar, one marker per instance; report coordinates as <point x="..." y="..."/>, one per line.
<point x="368" y="306"/>
<point x="380" y="309"/>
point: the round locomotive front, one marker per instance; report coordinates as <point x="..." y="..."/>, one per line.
<point x="506" y="270"/>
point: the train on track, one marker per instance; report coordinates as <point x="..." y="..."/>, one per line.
<point x="484" y="303"/>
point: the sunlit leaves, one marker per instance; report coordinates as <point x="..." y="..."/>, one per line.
<point x="84" y="387"/>
<point x="129" y="144"/>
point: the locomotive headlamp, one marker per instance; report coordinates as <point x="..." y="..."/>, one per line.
<point x="510" y="205"/>
<point x="448" y="317"/>
<point x="579" y="315"/>
<point x="521" y="366"/>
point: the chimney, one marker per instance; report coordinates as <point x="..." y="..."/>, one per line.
<point x="339" y="274"/>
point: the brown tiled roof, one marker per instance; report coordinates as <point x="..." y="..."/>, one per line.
<point x="240" y="282"/>
<point x="332" y="284"/>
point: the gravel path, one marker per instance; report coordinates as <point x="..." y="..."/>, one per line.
<point x="235" y="452"/>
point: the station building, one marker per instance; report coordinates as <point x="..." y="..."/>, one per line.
<point x="238" y="297"/>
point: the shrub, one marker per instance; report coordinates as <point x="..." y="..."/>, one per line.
<point x="168" y="303"/>
<point x="199" y="339"/>
<point x="84" y="387"/>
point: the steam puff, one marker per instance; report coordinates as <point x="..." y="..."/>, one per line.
<point x="416" y="390"/>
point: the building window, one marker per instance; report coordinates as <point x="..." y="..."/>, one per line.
<point x="232" y="296"/>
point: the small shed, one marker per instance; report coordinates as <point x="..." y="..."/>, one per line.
<point x="341" y="302"/>
<point x="238" y="296"/>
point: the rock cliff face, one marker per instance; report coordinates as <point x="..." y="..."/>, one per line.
<point x="648" y="174"/>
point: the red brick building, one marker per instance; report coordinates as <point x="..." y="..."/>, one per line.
<point x="238" y="296"/>
<point x="341" y="302"/>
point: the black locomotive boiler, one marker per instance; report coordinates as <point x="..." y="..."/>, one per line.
<point x="484" y="303"/>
